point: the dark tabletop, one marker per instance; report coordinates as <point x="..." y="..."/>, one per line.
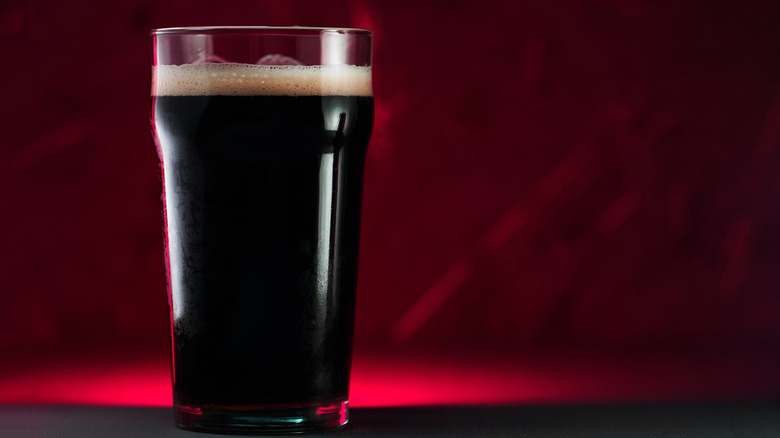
<point x="743" y="419"/>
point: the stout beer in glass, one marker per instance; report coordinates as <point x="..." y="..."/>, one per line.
<point x="261" y="134"/>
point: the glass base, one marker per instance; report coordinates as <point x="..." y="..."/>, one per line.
<point x="262" y="419"/>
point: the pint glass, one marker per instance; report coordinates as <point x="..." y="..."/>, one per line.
<point x="261" y="134"/>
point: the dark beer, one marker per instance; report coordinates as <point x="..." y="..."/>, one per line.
<point x="262" y="192"/>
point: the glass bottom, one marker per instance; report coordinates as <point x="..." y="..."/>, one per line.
<point x="262" y="419"/>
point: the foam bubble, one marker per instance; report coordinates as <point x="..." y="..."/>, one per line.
<point x="231" y="79"/>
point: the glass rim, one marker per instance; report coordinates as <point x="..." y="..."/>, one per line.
<point x="259" y="30"/>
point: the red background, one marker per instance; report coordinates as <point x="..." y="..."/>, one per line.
<point x="564" y="201"/>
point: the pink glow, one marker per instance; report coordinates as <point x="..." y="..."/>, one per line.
<point x="439" y="379"/>
<point x="139" y="384"/>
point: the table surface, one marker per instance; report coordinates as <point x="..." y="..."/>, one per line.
<point x="679" y="420"/>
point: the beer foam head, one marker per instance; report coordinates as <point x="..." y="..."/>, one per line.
<point x="261" y="80"/>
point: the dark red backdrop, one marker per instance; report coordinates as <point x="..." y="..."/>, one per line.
<point x="572" y="174"/>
